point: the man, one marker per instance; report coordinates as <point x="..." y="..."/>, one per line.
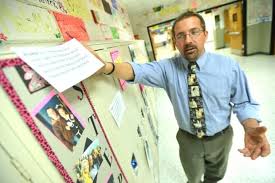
<point x="217" y="85"/>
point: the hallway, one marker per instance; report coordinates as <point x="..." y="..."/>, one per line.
<point x="259" y="70"/>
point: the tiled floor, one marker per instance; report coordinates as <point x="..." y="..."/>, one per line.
<point x="260" y="70"/>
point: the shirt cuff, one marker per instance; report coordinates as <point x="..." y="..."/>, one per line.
<point x="137" y="73"/>
<point x="248" y="111"/>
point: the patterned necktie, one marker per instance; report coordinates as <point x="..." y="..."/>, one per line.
<point x="195" y="102"/>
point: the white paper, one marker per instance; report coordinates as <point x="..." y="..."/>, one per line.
<point x="117" y="108"/>
<point x="62" y="66"/>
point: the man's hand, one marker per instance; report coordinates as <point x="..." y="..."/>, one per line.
<point x="256" y="143"/>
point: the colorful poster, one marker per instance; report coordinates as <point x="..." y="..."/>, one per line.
<point x="115" y="56"/>
<point x="71" y="27"/>
<point x="78" y="8"/>
<point x="22" y="22"/>
<point x="31" y="79"/>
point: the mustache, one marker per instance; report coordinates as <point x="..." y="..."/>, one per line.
<point x="190" y="46"/>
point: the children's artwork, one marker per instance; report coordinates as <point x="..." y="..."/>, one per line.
<point x="23" y="22"/>
<point x="87" y="167"/>
<point x="54" y="5"/>
<point x="107" y="7"/>
<point x="77" y="8"/>
<point x="71" y="27"/>
<point x="106" y="31"/>
<point x="115" y="55"/>
<point x="96" y="5"/>
<point x="59" y="117"/>
<point x="31" y="79"/>
<point x="115" y="33"/>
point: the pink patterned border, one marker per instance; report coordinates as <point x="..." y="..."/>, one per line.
<point x="92" y="106"/>
<point x="4" y="82"/>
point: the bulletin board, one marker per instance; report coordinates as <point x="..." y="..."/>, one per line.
<point x="66" y="124"/>
<point x="59" y="20"/>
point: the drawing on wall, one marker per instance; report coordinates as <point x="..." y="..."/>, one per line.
<point x="77" y="8"/>
<point x="115" y="33"/>
<point x="31" y="79"/>
<point x="71" y="27"/>
<point x="96" y="4"/>
<point x="115" y="55"/>
<point x="58" y="116"/>
<point x="88" y="166"/>
<point x="20" y="21"/>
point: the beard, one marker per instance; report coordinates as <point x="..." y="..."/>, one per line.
<point x="190" y="52"/>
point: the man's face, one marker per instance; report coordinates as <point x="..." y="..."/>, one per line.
<point x="190" y="38"/>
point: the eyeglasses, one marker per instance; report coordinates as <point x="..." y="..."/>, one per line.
<point x="193" y="33"/>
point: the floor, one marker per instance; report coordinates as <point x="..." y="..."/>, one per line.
<point x="260" y="72"/>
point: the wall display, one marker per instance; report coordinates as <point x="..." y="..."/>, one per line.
<point x="66" y="126"/>
<point x="33" y="81"/>
<point x="71" y="27"/>
<point x="22" y="22"/>
<point x="115" y="55"/>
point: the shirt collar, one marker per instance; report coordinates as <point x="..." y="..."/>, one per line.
<point x="200" y="62"/>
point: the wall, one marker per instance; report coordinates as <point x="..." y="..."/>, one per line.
<point x="140" y="22"/>
<point x="259" y="17"/>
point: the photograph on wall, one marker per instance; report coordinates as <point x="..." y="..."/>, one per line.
<point x="59" y="117"/>
<point x="88" y="166"/>
<point x="31" y="79"/>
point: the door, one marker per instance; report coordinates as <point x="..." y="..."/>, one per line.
<point x="236" y="28"/>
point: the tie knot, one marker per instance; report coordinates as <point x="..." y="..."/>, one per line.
<point x="192" y="67"/>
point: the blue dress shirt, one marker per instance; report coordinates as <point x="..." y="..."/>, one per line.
<point x="224" y="88"/>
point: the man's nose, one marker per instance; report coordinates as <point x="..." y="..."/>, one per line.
<point x="188" y="38"/>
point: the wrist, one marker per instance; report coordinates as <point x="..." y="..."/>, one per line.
<point x="109" y="68"/>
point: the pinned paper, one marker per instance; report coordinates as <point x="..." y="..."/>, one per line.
<point x="63" y="66"/>
<point x="117" y="108"/>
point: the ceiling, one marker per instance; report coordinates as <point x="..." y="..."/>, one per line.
<point x="140" y="6"/>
